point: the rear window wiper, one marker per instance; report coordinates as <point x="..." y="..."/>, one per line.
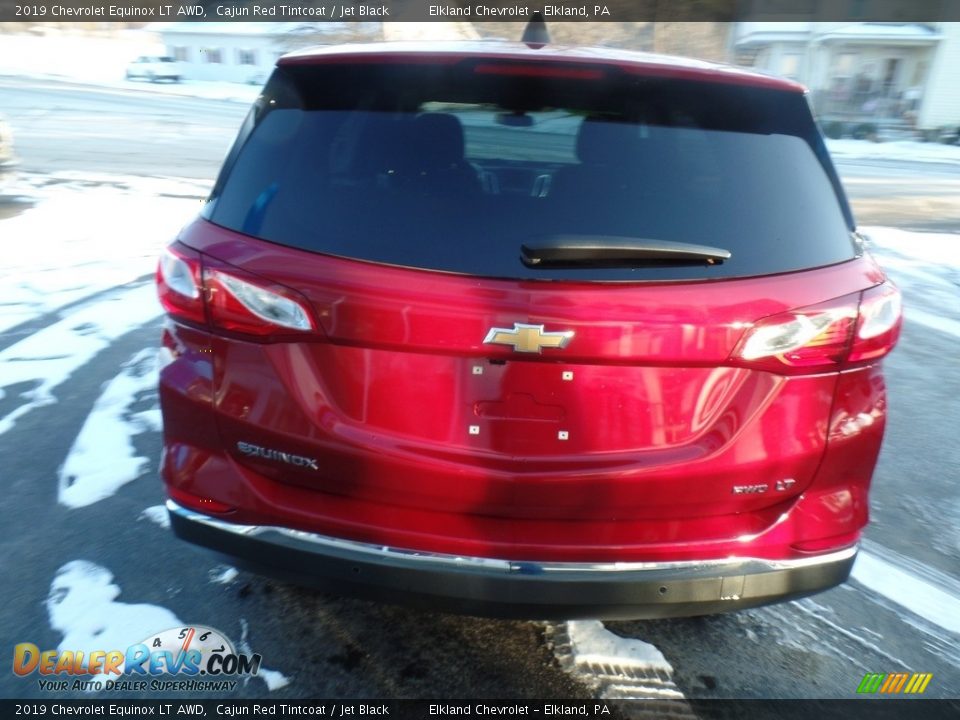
<point x="607" y="251"/>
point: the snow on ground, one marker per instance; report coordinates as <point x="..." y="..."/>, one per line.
<point x="223" y="574"/>
<point x="35" y="366"/>
<point x="102" y="62"/>
<point x="87" y="234"/>
<point x="593" y="643"/>
<point x="82" y="606"/>
<point x="935" y="598"/>
<point x="108" y="432"/>
<point x="926" y="267"/>
<point x="917" y="249"/>
<point x="273" y="678"/>
<point x="156" y="514"/>
<point x="895" y="150"/>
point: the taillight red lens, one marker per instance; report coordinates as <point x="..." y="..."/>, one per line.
<point x="179" y="284"/>
<point x="878" y="328"/>
<point x="197" y="289"/>
<point x="243" y="303"/>
<point x="833" y="335"/>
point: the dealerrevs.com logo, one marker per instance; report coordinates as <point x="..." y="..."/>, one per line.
<point x="188" y="659"/>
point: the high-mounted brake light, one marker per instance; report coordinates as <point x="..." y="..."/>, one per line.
<point x="837" y="334"/>
<point x="547" y="71"/>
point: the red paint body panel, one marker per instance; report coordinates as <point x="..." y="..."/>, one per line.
<point x="660" y="426"/>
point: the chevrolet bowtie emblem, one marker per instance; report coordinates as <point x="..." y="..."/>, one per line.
<point x="528" y="338"/>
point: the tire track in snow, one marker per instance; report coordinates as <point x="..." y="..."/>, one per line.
<point x="46" y="359"/>
<point x="102" y="458"/>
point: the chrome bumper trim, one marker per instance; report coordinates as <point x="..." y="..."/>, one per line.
<point x="383" y="553"/>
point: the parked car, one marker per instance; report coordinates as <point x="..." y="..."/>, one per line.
<point x="154" y="68"/>
<point x="528" y="331"/>
<point x="7" y="157"/>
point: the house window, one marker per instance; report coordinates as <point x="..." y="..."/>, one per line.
<point x="790" y="65"/>
<point x="246" y="57"/>
<point x="843" y="64"/>
<point x="181" y="54"/>
<point x="212" y="56"/>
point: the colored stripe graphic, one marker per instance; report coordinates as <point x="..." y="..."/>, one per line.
<point x="871" y="682"/>
<point x="894" y="683"/>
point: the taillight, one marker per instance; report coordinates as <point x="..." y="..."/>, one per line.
<point x="834" y="335"/>
<point x="227" y="297"/>
<point x="878" y="328"/>
<point x="179" y="284"/>
<point x="241" y="303"/>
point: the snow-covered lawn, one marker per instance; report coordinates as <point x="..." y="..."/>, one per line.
<point x="102" y="62"/>
<point x="897" y="150"/>
<point x="86" y="235"/>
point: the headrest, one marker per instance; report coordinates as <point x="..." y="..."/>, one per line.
<point x="443" y="135"/>
<point x="605" y="141"/>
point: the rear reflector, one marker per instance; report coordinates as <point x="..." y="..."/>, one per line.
<point x="834" y="335"/>
<point x="198" y="502"/>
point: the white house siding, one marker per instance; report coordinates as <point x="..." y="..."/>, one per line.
<point x="941" y="101"/>
<point x="811" y="53"/>
<point x="200" y="49"/>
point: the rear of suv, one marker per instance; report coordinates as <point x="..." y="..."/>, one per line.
<point x="529" y="332"/>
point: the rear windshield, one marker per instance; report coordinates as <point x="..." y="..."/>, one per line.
<point x="455" y="167"/>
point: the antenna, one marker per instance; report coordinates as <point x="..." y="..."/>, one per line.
<point x="535" y="34"/>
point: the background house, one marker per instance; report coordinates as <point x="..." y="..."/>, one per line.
<point x="881" y="74"/>
<point x="246" y="51"/>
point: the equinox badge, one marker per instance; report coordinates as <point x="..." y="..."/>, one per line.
<point x="251" y="450"/>
<point x="528" y="338"/>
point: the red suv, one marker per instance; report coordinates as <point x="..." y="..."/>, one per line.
<point x="526" y="331"/>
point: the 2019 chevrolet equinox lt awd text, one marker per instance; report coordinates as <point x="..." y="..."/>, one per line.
<point x="526" y="331"/>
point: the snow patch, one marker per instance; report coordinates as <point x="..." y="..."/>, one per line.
<point x="908" y="590"/>
<point x="102" y="64"/>
<point x="591" y="642"/>
<point x="922" y="248"/>
<point x="62" y="251"/>
<point x="82" y="606"/>
<point x="223" y="574"/>
<point x="157" y="514"/>
<point x="273" y="678"/>
<point x="102" y="458"/>
<point x="50" y="356"/>
<point x="899" y="150"/>
<point x="934" y="322"/>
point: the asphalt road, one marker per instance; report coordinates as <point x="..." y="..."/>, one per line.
<point x="333" y="647"/>
<point x="61" y="127"/>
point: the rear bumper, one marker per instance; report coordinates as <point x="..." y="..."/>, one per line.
<point x="502" y="588"/>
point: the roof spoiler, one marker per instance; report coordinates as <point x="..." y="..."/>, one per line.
<point x="535" y="35"/>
